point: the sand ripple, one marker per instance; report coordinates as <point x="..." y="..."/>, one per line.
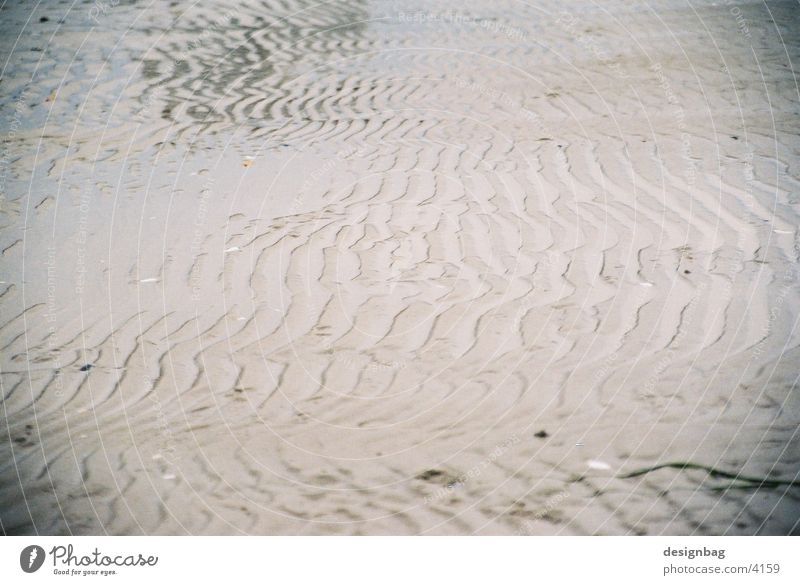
<point x="287" y="267"/>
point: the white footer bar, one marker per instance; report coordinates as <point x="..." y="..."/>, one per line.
<point x="389" y="560"/>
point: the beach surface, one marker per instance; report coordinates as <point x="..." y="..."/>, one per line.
<point x="400" y="268"/>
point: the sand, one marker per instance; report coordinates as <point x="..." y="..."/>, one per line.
<point x="399" y="268"/>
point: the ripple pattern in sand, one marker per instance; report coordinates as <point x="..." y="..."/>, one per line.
<point x="349" y="268"/>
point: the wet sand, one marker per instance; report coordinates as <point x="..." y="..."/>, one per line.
<point x="397" y="268"/>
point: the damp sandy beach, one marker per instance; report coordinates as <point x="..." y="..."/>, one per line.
<point x="288" y="267"/>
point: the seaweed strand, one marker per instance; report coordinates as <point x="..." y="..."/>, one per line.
<point x="750" y="481"/>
